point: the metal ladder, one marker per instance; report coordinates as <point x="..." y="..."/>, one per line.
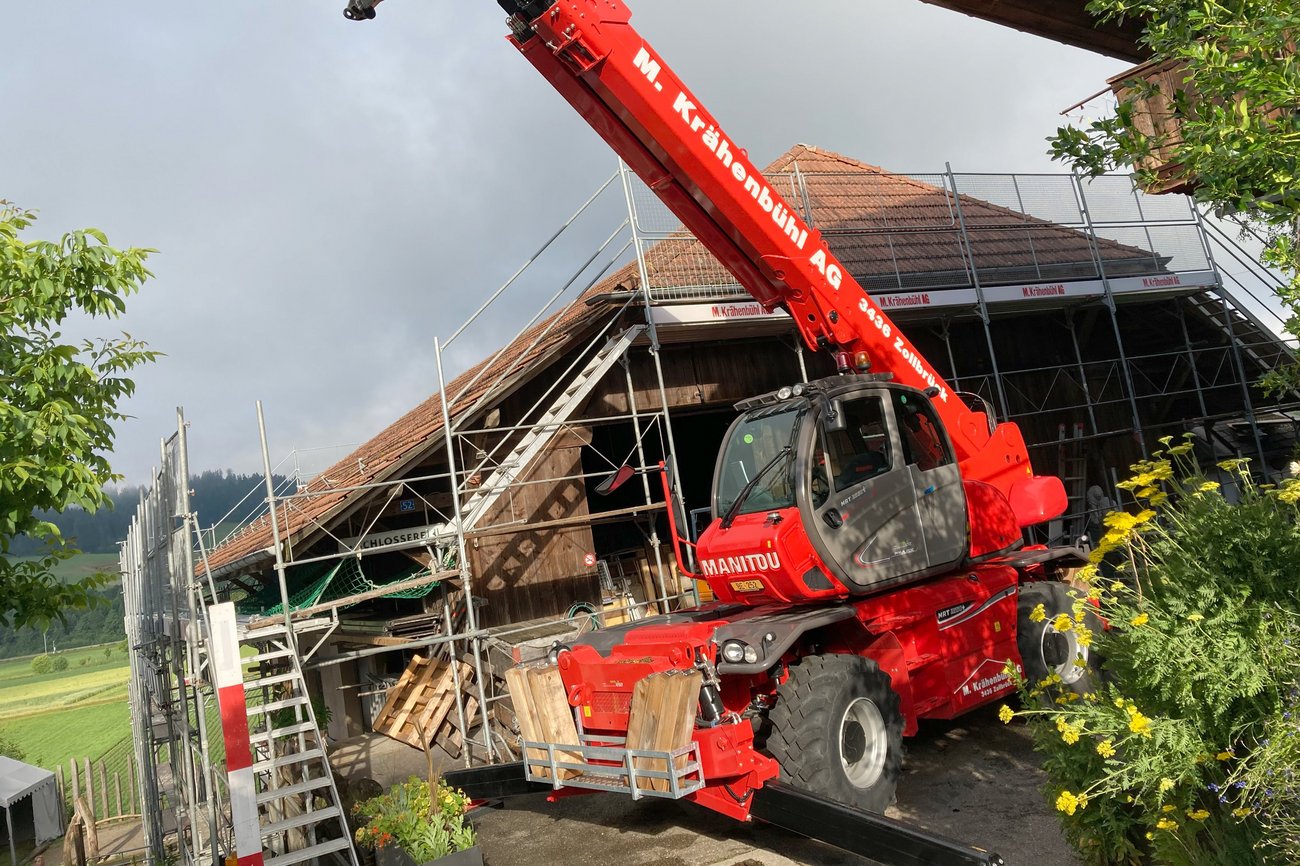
<point x="1072" y="468"/>
<point x="291" y="769"/>
<point x="480" y="499"/>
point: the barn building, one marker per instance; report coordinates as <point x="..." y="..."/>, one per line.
<point x="1088" y="312"/>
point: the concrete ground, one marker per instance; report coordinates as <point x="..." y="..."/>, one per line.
<point x="974" y="780"/>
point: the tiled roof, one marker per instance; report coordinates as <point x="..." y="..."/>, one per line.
<point x="848" y="197"/>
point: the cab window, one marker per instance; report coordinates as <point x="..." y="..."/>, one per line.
<point x="923" y="442"/>
<point x="856" y="453"/>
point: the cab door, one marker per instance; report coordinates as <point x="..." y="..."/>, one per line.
<point x="863" y="512"/>
<point x="940" y="495"/>
<point x="884" y="496"/>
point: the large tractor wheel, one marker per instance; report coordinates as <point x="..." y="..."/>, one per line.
<point x="836" y="731"/>
<point x="1045" y="650"/>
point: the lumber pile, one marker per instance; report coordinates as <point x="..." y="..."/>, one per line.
<point x="423" y="704"/>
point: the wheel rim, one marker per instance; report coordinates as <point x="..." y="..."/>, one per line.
<point x="864" y="743"/>
<point x="1068" y="671"/>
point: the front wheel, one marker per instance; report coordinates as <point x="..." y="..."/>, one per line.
<point x="836" y="730"/>
<point x="1046" y="650"/>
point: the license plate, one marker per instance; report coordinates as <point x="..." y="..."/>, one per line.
<point x="747" y="585"/>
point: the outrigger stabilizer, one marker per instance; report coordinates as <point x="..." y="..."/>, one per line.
<point x="889" y="842"/>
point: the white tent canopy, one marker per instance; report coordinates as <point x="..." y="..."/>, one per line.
<point x="19" y="780"/>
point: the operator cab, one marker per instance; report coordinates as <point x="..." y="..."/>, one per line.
<point x="862" y="464"/>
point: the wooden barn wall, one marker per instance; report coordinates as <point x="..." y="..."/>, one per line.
<point x="532" y="574"/>
<point x="703" y="374"/>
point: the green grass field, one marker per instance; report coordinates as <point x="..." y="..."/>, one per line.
<point x="79" y="712"/>
<point x="83" y="565"/>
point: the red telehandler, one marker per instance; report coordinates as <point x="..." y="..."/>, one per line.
<point x="866" y="546"/>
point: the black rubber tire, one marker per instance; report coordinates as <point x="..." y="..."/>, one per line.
<point x="1033" y="638"/>
<point x="811" y="729"/>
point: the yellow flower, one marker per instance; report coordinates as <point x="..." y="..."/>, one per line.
<point x="1116" y="586"/>
<point x="1223" y="756"/>
<point x="1120" y="521"/>
<point x="1194" y="617"/>
<point x="1006" y="714"/>
<point x="1140" y="619"/>
<point x="1062" y="622"/>
<point x="1180" y="450"/>
<point x="1140" y="724"/>
<point x="1166" y="784"/>
<point x="1147" y="491"/>
<point x="1159" y="498"/>
<point x="1084" y="636"/>
<point x="1144" y="517"/>
<point x="1167" y="807"/>
<point x="1038" y="614"/>
<point x="1166" y="824"/>
<point x="1119" y="702"/>
<point x="1208" y="486"/>
<point x="1198" y="815"/>
<point x="1106" y="749"/>
<point x="1067" y="803"/>
<point x="1088" y="573"/>
<point x="1069" y="733"/>
<point x="1237" y="464"/>
<point x="1241" y="813"/>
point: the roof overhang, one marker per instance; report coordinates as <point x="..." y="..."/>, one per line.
<point x="1065" y="21"/>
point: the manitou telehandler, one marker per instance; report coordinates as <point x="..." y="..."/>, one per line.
<point x="866" y="547"/>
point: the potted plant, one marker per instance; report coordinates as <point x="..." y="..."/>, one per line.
<point x="417" y="822"/>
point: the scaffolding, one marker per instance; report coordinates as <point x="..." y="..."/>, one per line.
<point x="1120" y="246"/>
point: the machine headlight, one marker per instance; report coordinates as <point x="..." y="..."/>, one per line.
<point x="735" y="651"/>
<point x="751" y="655"/>
<point x="785" y="393"/>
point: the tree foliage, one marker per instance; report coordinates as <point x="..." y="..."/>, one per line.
<point x="1240" y="118"/>
<point x="59" y="399"/>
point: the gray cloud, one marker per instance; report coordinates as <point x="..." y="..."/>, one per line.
<point x="327" y="197"/>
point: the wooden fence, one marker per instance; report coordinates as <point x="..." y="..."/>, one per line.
<point x="108" y="786"/>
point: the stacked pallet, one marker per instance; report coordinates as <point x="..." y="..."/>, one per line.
<point x="422" y="705"/>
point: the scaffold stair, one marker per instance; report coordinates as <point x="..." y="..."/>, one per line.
<point x="299" y="808"/>
<point x="1243" y="328"/>
<point x="479" y="500"/>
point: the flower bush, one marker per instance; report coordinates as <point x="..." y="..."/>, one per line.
<point x="425" y="827"/>
<point x="1186" y="752"/>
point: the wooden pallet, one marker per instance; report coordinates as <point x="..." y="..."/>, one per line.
<point x="422" y="702"/>
<point x="661" y="719"/>
<point x="540" y="705"/>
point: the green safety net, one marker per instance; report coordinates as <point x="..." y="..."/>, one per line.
<point x="310" y="585"/>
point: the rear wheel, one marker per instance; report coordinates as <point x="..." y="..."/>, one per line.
<point x="836" y="730"/>
<point x="1047" y="650"/>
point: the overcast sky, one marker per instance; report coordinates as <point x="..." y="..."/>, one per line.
<point x="327" y="197"/>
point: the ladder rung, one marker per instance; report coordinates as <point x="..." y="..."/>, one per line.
<point x="314" y="817"/>
<point x="291" y="790"/>
<point x="271" y="680"/>
<point x="262" y="633"/>
<point x="268" y="656"/>
<point x="301" y="728"/>
<point x="309" y="853"/>
<point x="287" y="760"/>
<point x="271" y="706"/>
